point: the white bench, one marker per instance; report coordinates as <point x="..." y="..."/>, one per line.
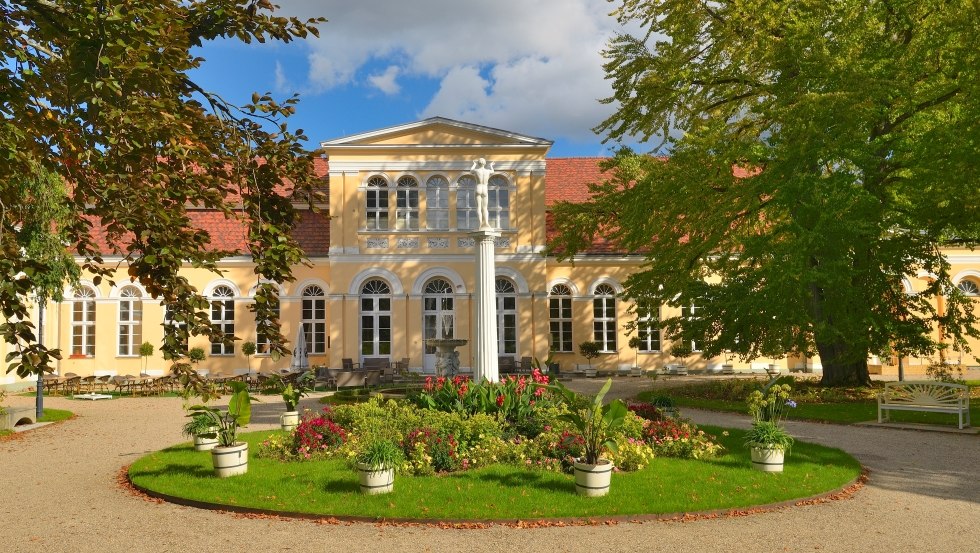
<point x="937" y="397"/>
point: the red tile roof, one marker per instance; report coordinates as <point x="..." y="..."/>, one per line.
<point x="567" y="178"/>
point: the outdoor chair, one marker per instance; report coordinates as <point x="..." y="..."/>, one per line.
<point x="506" y="365"/>
<point x="525" y="365"/>
<point x="348" y="364"/>
<point x="51" y="383"/>
<point x="71" y="384"/>
<point x="372" y="378"/>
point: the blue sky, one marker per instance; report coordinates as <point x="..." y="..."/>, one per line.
<point x="532" y="67"/>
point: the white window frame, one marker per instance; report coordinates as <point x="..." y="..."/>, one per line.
<point x="378" y="292"/>
<point x="83" y="322"/>
<point x="438" y="301"/>
<point x="223" y="317"/>
<point x="969" y="288"/>
<point x="407" y="203"/>
<point x="604" y="318"/>
<point x="130" y="322"/>
<point x="498" y="202"/>
<point x="263" y="345"/>
<point x="561" y="318"/>
<point x="168" y="319"/>
<point x="507" y="317"/>
<point x="437" y="203"/>
<point x="314" y="319"/>
<point x="467" y="217"/>
<point x="648" y="329"/>
<point x="691" y="311"/>
<point x="376" y="202"/>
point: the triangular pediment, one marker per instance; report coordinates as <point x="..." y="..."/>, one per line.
<point x="436" y="131"/>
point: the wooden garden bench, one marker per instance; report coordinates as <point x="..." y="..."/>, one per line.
<point x="935" y="397"/>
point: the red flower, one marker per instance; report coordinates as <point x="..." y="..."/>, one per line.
<point x="500" y="400"/>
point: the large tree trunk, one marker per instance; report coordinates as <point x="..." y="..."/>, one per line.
<point x="840" y="369"/>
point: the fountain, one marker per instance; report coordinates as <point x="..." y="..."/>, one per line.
<point x="447" y="358"/>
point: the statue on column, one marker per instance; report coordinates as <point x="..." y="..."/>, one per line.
<point x="482" y="172"/>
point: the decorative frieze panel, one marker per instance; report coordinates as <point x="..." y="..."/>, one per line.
<point x="377" y="243"/>
<point x="501" y="242"/>
<point x="438" y="243"/>
<point x="465" y="243"/>
<point x="407" y="243"/>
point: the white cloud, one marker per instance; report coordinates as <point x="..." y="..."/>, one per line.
<point x="533" y="67"/>
<point x="282" y="84"/>
<point x="385" y="81"/>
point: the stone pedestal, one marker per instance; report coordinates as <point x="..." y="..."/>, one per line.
<point x="485" y="325"/>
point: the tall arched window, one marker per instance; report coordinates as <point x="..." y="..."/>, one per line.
<point x="407" y="203"/>
<point x="130" y="321"/>
<point x="263" y="343"/>
<point x="648" y="326"/>
<point x="466" y="216"/>
<point x="498" y="202"/>
<point x="83" y="322"/>
<point x="376" y="204"/>
<point x="170" y="319"/>
<point x="560" y="312"/>
<point x="438" y="313"/>
<point x="375" y="318"/>
<point x="437" y="203"/>
<point x="315" y="319"/>
<point x="604" y="317"/>
<point x="223" y="319"/>
<point x="506" y="296"/>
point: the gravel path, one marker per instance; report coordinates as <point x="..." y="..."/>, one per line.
<point x="59" y="492"/>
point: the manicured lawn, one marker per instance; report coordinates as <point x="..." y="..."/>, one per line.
<point x="837" y="412"/>
<point x="55" y="415"/>
<point x="499" y="492"/>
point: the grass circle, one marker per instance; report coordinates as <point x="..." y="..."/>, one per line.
<point x="329" y="489"/>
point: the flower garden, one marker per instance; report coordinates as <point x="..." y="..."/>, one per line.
<point x="492" y="451"/>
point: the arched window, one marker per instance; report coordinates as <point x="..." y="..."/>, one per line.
<point x="648" y="326"/>
<point x="83" y="322"/>
<point x="375" y="318"/>
<point x="315" y="319"/>
<point x="407" y="203"/>
<point x="506" y="296"/>
<point x="969" y="287"/>
<point x="170" y="319"/>
<point x="222" y="319"/>
<point x="263" y="343"/>
<point x="376" y="203"/>
<point x="560" y="312"/>
<point x="130" y="321"/>
<point x="466" y="216"/>
<point x="438" y="312"/>
<point x="437" y="203"/>
<point x="604" y="317"/>
<point x="498" y="202"/>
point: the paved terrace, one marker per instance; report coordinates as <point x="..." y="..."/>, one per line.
<point x="60" y="492"/>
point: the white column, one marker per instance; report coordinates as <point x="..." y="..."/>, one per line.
<point x="485" y="325"/>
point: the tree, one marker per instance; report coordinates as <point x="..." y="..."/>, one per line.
<point x="818" y="152"/>
<point x="99" y="94"/>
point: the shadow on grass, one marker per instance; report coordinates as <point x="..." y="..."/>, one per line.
<point x="172" y="469"/>
<point x="341" y="485"/>
<point x="527" y="480"/>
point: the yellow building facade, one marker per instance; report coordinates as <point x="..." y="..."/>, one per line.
<point x="394" y="264"/>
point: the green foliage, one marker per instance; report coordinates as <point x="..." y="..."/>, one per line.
<point x="815" y="150"/>
<point x="146" y="349"/>
<point x="769" y="435"/>
<point x="768" y="408"/>
<point x="597" y="423"/>
<point x="227" y="423"/>
<point x="590" y="350"/>
<point x="293" y="392"/>
<point x="196" y="355"/>
<point x="381" y="455"/>
<point x="100" y="97"/>
<point x="514" y="398"/>
<point x="198" y="424"/>
<point x="248" y="348"/>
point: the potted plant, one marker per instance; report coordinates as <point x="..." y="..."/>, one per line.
<point x="291" y="394"/>
<point x="596" y="424"/>
<point x="635" y="343"/>
<point x="202" y="429"/>
<point x="681" y="350"/>
<point x="767" y="440"/>
<point x="248" y="350"/>
<point x="146" y="350"/>
<point x="590" y="350"/>
<point x="230" y="457"/>
<point x="727" y="367"/>
<point x="376" y="465"/>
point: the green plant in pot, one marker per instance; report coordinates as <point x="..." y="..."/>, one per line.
<point x="248" y="350"/>
<point x="195" y="356"/>
<point x="201" y="428"/>
<point x="767" y="439"/>
<point x="291" y="394"/>
<point x="590" y="350"/>
<point x="376" y="466"/>
<point x="681" y="350"/>
<point x="597" y="424"/>
<point x="230" y="456"/>
<point x="635" y="343"/>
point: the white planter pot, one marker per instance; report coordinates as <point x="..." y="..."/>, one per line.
<point x="289" y="420"/>
<point x="590" y="373"/>
<point x="375" y="481"/>
<point x="230" y="461"/>
<point x="636" y="371"/>
<point x="593" y="480"/>
<point x="204" y="444"/>
<point x="767" y="459"/>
